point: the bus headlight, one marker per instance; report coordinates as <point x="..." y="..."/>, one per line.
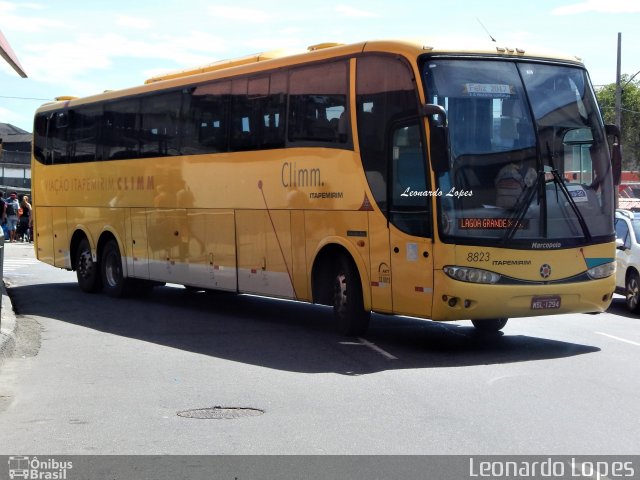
<point x="473" y="275"/>
<point x="602" y="271"/>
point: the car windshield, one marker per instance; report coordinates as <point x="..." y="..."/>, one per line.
<point x="635" y="223"/>
<point x="529" y="161"/>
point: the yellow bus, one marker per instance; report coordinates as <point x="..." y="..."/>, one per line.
<point x="396" y="177"/>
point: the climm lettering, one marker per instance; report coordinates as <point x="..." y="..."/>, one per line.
<point x="135" y="183"/>
<point x="291" y="176"/>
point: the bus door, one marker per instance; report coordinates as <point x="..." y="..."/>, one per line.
<point x="407" y="243"/>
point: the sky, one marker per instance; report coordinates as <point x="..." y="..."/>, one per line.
<point x="84" y="47"/>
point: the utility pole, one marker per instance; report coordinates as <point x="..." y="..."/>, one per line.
<point x="618" y="104"/>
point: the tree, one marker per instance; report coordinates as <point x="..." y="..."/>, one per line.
<point x="629" y="119"/>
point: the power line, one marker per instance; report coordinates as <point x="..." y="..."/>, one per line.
<point x="623" y="109"/>
<point x="25" y="98"/>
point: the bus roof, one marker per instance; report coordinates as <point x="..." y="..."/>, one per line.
<point x="281" y="58"/>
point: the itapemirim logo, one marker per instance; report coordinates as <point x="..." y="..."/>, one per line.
<point x="33" y="468"/>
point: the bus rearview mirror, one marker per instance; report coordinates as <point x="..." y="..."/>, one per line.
<point x="439" y="137"/>
<point x="616" y="152"/>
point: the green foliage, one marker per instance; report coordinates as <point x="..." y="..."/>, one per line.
<point x="629" y="119"/>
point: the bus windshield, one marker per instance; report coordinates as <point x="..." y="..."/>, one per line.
<point x="529" y="161"/>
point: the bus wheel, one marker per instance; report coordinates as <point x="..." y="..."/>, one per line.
<point x="348" y="307"/>
<point x="491" y="325"/>
<point x="87" y="271"/>
<point x="112" y="276"/>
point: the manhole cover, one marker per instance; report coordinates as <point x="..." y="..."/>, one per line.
<point x="221" y="413"/>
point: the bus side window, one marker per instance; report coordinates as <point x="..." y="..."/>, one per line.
<point x="160" y="120"/>
<point x="317" y="100"/>
<point x="243" y="123"/>
<point x="83" y="133"/>
<point x="58" y="132"/>
<point x="121" y="129"/>
<point x="40" y="147"/>
<point x="385" y="91"/>
<point x="204" y="118"/>
<point x="272" y="110"/>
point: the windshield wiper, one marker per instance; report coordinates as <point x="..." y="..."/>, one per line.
<point x="540" y="186"/>
<point x="522" y="208"/>
<point x="557" y="179"/>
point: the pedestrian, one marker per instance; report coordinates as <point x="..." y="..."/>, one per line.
<point x="11" y="212"/>
<point x="3" y="208"/>
<point x="24" y="227"/>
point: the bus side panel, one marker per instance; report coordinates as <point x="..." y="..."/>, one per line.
<point x="137" y="250"/>
<point x="221" y="243"/>
<point x="168" y="242"/>
<point x="95" y="221"/>
<point x="298" y="238"/>
<point x="264" y="252"/>
<point x="212" y="249"/>
<point x="44" y="234"/>
<point x="61" y="253"/>
<point x="381" y="299"/>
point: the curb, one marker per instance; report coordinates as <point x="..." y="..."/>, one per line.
<point x="7" y="326"/>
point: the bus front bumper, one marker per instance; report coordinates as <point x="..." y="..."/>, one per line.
<point x="456" y="300"/>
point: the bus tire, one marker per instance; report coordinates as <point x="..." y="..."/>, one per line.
<point x="87" y="270"/>
<point x="350" y="317"/>
<point x="113" y="280"/>
<point x="490" y="325"/>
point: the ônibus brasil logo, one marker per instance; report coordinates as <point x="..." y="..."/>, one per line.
<point x="33" y="468"/>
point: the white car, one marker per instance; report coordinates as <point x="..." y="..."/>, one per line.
<point x="627" y="226"/>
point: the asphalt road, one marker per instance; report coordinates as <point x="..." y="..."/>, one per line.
<point x="95" y="375"/>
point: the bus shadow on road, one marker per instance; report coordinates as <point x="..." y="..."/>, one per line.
<point x="456" y="345"/>
<point x="288" y="336"/>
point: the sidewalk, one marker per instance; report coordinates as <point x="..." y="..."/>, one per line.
<point x="7" y="325"/>
<point x="7" y="316"/>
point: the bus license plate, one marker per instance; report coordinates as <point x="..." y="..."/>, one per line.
<point x="545" y="303"/>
